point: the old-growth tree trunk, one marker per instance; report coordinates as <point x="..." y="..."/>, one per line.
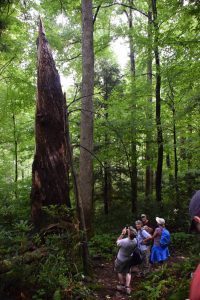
<point x="50" y="167"/>
<point x="148" y="154"/>
<point x="158" y="106"/>
<point x="86" y="139"/>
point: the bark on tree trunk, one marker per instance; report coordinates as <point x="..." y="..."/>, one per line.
<point x="133" y="167"/>
<point x="190" y="178"/>
<point x="16" y="155"/>
<point x="175" y="160"/>
<point x="107" y="174"/>
<point x="79" y="204"/>
<point x="158" y="106"/>
<point x="107" y="187"/>
<point x="148" y="155"/>
<point x="50" y="166"/>
<point x="86" y="139"/>
<point x="173" y="109"/>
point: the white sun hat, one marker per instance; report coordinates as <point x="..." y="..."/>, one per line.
<point x="160" y="221"/>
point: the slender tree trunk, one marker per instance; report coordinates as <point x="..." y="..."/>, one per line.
<point x="148" y="156"/>
<point x="107" y="175"/>
<point x="79" y="204"/>
<point x="86" y="138"/>
<point x="15" y="154"/>
<point x="171" y="97"/>
<point x="158" y="106"/>
<point x="175" y="157"/>
<point x="133" y="166"/>
<point x="50" y="166"/>
<point x="190" y="178"/>
<point x="107" y="188"/>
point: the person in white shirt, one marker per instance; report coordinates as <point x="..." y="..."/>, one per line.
<point x="144" y="246"/>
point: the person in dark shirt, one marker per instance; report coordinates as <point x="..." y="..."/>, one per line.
<point x="194" y="210"/>
<point x="146" y="224"/>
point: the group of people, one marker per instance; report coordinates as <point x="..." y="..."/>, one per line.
<point x="139" y="237"/>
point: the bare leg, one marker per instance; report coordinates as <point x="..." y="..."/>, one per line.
<point x="128" y="279"/>
<point x="121" y="286"/>
<point x="121" y="278"/>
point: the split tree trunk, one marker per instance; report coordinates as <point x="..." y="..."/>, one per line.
<point x="158" y="106"/>
<point x="50" y="167"/>
<point x="86" y="139"/>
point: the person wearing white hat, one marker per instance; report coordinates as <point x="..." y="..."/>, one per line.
<point x="159" y="253"/>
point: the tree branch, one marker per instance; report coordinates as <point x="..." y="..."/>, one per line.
<point x="77" y="99"/>
<point x="124" y="5"/>
<point x="78" y="145"/>
<point x="96" y="13"/>
<point x="6" y="65"/>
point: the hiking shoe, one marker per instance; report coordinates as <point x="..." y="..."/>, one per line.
<point x="120" y="287"/>
<point x="128" y="290"/>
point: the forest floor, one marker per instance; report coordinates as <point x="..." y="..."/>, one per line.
<point x="106" y="280"/>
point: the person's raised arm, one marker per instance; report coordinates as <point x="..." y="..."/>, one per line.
<point x="122" y="234"/>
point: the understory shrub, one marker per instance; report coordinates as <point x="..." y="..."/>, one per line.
<point x="57" y="271"/>
<point x="171" y="282"/>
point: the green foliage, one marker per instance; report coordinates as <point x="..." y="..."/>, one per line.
<point x="119" y="106"/>
<point x="170" y="282"/>
<point x="182" y="242"/>
<point x="58" y="274"/>
<point x="103" y="245"/>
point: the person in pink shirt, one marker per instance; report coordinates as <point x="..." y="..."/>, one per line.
<point x="194" y="210"/>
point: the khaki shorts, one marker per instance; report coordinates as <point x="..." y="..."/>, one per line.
<point x="122" y="266"/>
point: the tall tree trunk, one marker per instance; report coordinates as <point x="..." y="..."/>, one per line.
<point x="79" y="204"/>
<point x="190" y="176"/>
<point x="175" y="157"/>
<point x="107" y="174"/>
<point x="86" y="139"/>
<point x="50" y="167"/>
<point x="107" y="188"/>
<point x="173" y="109"/>
<point x="15" y="154"/>
<point x="133" y="166"/>
<point x="148" y="155"/>
<point x="158" y="106"/>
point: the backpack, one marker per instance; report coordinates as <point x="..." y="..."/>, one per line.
<point x="136" y="257"/>
<point x="165" y="238"/>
